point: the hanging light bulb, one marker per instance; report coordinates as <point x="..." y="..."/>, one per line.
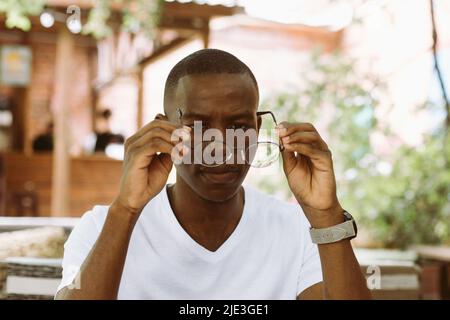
<point x="74" y="26"/>
<point x="47" y="19"/>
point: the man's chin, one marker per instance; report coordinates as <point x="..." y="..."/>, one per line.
<point x="219" y="194"/>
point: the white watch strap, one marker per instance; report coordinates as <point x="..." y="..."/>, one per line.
<point x="333" y="234"/>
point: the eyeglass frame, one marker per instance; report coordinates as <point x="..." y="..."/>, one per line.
<point x="258" y="114"/>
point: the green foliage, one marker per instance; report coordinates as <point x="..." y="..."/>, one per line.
<point x="18" y="11"/>
<point x="412" y="203"/>
<point x="402" y="197"/>
<point x="97" y="24"/>
<point x="142" y="15"/>
<point x="137" y="15"/>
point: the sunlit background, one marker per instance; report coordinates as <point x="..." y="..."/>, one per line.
<point x="79" y="77"/>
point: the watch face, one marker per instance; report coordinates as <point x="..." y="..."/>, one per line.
<point x="347" y="215"/>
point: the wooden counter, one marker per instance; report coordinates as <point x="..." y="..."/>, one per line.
<point x="25" y="188"/>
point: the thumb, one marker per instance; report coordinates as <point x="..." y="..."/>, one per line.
<point x="166" y="161"/>
<point x="289" y="160"/>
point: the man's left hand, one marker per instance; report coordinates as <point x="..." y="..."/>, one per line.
<point x="308" y="166"/>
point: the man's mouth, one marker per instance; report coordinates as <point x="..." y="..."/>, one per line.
<point x="220" y="176"/>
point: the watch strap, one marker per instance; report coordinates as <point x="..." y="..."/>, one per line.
<point x="333" y="234"/>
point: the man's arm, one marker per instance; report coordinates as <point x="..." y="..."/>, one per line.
<point x="145" y="171"/>
<point x="99" y="276"/>
<point x="342" y="276"/>
<point x="308" y="166"/>
<point x="315" y="292"/>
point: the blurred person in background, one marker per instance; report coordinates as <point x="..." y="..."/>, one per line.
<point x="104" y="134"/>
<point x="103" y="140"/>
<point x="44" y="141"/>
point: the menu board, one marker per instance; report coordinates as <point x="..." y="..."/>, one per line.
<point x="15" y="65"/>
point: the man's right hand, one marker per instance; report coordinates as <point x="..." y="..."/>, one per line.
<point x="147" y="163"/>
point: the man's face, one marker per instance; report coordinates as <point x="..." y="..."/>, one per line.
<point x="220" y="101"/>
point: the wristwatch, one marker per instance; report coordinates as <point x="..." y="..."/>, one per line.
<point x="345" y="230"/>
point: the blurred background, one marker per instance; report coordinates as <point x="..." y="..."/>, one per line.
<point x="79" y="77"/>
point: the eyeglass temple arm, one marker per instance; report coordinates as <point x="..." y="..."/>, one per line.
<point x="261" y="113"/>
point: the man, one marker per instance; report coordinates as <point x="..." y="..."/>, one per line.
<point x="206" y="236"/>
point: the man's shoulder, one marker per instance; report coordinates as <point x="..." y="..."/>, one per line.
<point x="97" y="215"/>
<point x="273" y="207"/>
<point x="93" y="218"/>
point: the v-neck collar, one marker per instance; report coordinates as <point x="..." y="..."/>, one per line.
<point x="193" y="246"/>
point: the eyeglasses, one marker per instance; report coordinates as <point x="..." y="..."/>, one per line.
<point x="267" y="150"/>
<point x="263" y="151"/>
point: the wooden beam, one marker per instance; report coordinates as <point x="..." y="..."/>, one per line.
<point x="192" y="9"/>
<point x="163" y="50"/>
<point x="175" y="23"/>
<point x="60" y="107"/>
<point x="169" y="8"/>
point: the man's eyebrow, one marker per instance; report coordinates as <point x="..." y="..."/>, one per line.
<point x="195" y="115"/>
<point x="244" y="115"/>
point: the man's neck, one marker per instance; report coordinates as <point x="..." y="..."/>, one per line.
<point x="209" y="223"/>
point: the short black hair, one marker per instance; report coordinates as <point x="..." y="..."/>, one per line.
<point x="205" y="61"/>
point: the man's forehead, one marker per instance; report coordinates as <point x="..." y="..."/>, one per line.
<point x="213" y="86"/>
<point x="203" y="93"/>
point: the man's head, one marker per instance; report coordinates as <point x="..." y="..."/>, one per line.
<point x="214" y="87"/>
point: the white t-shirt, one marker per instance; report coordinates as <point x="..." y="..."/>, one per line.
<point x="268" y="256"/>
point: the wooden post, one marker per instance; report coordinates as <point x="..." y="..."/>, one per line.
<point x="60" y="107"/>
<point x="19" y="132"/>
<point x="205" y="34"/>
<point x="93" y="55"/>
<point x="140" y="106"/>
<point x="27" y="139"/>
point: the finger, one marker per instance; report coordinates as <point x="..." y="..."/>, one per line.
<point x="289" y="160"/>
<point x="287" y="128"/>
<point x="307" y="150"/>
<point x="144" y="155"/>
<point x="157" y="123"/>
<point x="166" y="161"/>
<point x="161" y="116"/>
<point x="152" y="147"/>
<point x="305" y="137"/>
<point x="170" y="137"/>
